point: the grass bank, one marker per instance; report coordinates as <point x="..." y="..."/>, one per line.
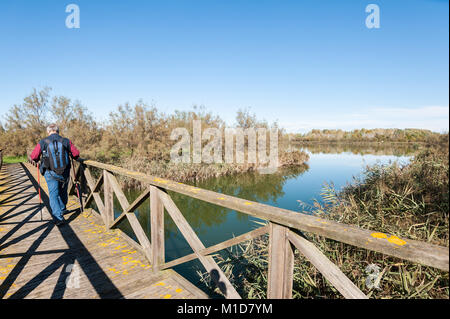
<point x="14" y="159"/>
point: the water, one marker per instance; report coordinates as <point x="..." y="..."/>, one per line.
<point x="285" y="188"/>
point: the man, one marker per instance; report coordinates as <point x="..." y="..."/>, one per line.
<point x="55" y="167"/>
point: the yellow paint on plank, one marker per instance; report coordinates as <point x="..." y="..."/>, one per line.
<point x="378" y="235"/>
<point x="160" y="180"/>
<point x="395" y="240"/>
<point x="392" y="239"/>
<point x="321" y="221"/>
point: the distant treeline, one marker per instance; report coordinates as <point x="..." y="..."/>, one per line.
<point x="129" y="130"/>
<point x="137" y="137"/>
<point x="408" y="135"/>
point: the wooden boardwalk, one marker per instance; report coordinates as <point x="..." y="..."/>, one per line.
<point x="90" y="258"/>
<point x="82" y="259"/>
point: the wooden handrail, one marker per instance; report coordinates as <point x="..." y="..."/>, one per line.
<point x="412" y="250"/>
<point x="284" y="228"/>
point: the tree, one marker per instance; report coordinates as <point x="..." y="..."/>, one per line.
<point x="26" y="123"/>
<point x="246" y="120"/>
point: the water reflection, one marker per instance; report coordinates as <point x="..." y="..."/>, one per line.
<point x="396" y="149"/>
<point x="284" y="188"/>
<point x="202" y="215"/>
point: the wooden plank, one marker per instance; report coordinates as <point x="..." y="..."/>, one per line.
<point x="134" y="223"/>
<point x="191" y="291"/>
<point x="288" y="280"/>
<point x="93" y="186"/>
<point x="157" y="229"/>
<point x="215" y="248"/>
<point x="208" y="262"/>
<point x="100" y="205"/>
<point x="416" y="251"/>
<point x="281" y="264"/>
<point x="36" y="261"/>
<point x="141" y="235"/>
<point x="73" y="178"/>
<point x="109" y="198"/>
<point x="118" y="191"/>
<point x="328" y="269"/>
<point x="170" y="285"/>
<point x="132" y="243"/>
<point x="138" y="201"/>
<point x="94" y="191"/>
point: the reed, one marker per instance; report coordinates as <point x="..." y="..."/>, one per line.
<point x="191" y="172"/>
<point x="409" y="201"/>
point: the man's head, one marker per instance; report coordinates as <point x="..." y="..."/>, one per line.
<point x="52" y="129"/>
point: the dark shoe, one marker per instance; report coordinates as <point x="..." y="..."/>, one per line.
<point x="60" y="222"/>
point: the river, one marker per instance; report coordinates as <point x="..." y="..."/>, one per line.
<point x="293" y="188"/>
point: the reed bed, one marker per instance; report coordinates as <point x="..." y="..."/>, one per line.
<point x="191" y="172"/>
<point x="409" y="201"/>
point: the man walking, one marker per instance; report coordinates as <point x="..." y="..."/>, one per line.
<point x="55" y="167"/>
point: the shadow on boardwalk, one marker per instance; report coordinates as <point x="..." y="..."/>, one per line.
<point x="82" y="259"/>
<point x="21" y="197"/>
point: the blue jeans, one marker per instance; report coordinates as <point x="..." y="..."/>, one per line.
<point x="57" y="189"/>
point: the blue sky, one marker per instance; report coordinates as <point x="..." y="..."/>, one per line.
<point x="308" y="64"/>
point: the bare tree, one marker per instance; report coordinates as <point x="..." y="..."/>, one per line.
<point x="25" y="123"/>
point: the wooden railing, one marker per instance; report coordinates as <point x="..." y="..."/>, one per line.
<point x="285" y="229"/>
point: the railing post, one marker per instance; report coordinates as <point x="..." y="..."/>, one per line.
<point x="281" y="263"/>
<point x="157" y="228"/>
<point x="109" y="198"/>
<point x="94" y="191"/>
<point x="83" y="179"/>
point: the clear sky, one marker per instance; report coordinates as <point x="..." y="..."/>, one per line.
<point x="308" y="64"/>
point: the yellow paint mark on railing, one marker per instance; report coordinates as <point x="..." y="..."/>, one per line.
<point x="378" y="235"/>
<point x="397" y="241"/>
<point x="392" y="239"/>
